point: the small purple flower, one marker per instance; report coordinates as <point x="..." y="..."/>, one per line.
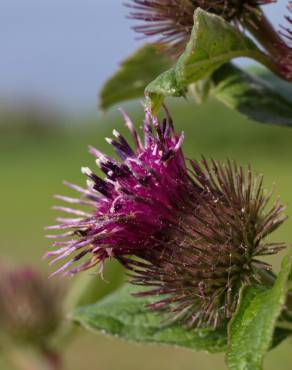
<point x="190" y="231"/>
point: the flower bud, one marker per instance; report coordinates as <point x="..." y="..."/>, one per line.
<point x="30" y="305"/>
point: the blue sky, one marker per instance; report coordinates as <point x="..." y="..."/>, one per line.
<point x="61" y="51"/>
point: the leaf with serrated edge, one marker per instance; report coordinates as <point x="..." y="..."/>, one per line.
<point x="134" y="74"/>
<point x="126" y="317"/>
<point x="213" y="42"/>
<point x="252" y="326"/>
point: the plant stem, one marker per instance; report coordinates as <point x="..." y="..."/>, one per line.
<point x="52" y="358"/>
<point x="264" y="32"/>
<point x="30" y="359"/>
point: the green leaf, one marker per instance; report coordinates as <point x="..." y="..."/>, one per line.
<point x="252" y="326"/>
<point x="260" y="95"/>
<point x="213" y="42"/>
<point x="86" y="290"/>
<point x="279" y="336"/>
<point x="126" y="317"/>
<point x="282" y="87"/>
<point x="135" y="73"/>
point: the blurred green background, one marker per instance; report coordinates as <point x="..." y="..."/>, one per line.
<point x="38" y="151"/>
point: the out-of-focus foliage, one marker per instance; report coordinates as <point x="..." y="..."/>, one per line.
<point x="258" y="95"/>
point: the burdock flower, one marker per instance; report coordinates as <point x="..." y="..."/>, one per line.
<point x="30" y="305"/>
<point x="191" y="232"/>
<point x="171" y="22"/>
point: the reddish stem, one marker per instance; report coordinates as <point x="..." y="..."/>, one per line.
<point x="53" y="359"/>
<point x="264" y="32"/>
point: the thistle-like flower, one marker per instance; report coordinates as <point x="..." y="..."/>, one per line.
<point x="189" y="231"/>
<point x="30" y="305"/>
<point x="171" y="21"/>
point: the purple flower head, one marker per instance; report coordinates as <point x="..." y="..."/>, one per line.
<point x="131" y="205"/>
<point x="30" y="305"/>
<point x="190" y="232"/>
<point x="170" y="22"/>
